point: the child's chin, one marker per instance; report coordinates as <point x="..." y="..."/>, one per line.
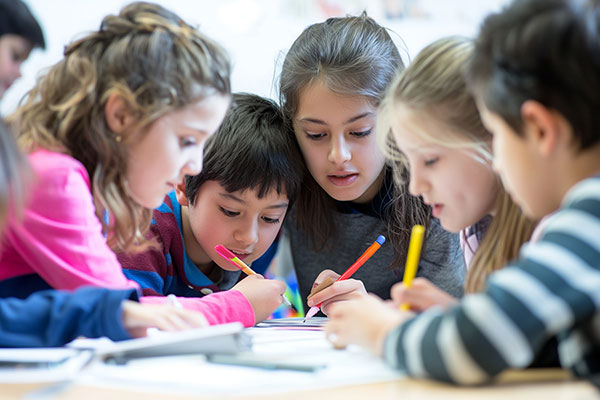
<point x="451" y="226"/>
<point x="149" y="203"/>
<point x="229" y="267"/>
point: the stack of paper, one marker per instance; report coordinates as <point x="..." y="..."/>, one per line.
<point x="217" y="339"/>
<point x="41" y="365"/>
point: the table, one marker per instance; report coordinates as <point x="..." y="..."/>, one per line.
<point x="514" y="385"/>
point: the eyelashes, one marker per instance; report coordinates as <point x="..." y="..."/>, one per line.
<point x="187" y="142"/>
<point x="431" y="161"/>
<point x="318" y="136"/>
<point x="229" y="213"/>
<point x="232" y="214"/>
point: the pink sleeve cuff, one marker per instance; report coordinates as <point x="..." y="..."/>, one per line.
<point x="218" y="308"/>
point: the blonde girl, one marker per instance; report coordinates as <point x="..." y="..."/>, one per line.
<point x="430" y="126"/>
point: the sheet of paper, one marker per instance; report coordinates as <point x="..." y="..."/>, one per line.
<point x="222" y="339"/>
<point x="41" y="365"/>
<point x="294" y="323"/>
<point x="193" y="374"/>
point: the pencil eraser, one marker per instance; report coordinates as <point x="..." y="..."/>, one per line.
<point x="224" y="252"/>
<point x="380" y="239"/>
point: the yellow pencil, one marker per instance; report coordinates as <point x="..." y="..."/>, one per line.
<point x="412" y="258"/>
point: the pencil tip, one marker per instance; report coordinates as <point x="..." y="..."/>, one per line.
<point x="313" y="310"/>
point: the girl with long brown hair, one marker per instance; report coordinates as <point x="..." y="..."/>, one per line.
<point x="332" y="81"/>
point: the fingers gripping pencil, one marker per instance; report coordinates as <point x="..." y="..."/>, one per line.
<point x="348" y="273"/>
<point x="232" y="258"/>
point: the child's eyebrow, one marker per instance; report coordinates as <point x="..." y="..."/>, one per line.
<point x="233" y="197"/>
<point x="279" y="205"/>
<point x="349" y="121"/>
<point x="194" y="130"/>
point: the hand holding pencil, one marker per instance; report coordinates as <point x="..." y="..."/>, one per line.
<point x="368" y="320"/>
<point x="418" y="294"/>
<point x="346" y="275"/>
<point x="412" y="258"/>
<point x="232" y="258"/>
<point x="264" y="295"/>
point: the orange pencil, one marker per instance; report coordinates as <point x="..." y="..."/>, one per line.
<point x="351" y="270"/>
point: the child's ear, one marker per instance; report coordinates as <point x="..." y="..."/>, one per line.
<point x="543" y="126"/>
<point x="180" y="194"/>
<point x="118" y="114"/>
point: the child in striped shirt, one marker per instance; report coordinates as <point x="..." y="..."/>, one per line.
<point x="535" y="74"/>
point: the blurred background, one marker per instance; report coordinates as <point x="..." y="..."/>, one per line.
<point x="257" y="33"/>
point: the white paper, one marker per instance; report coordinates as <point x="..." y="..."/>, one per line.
<point x="225" y="339"/>
<point x="193" y="374"/>
<point x="41" y="364"/>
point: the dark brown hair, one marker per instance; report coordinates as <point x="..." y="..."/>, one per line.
<point x="352" y="56"/>
<point x="543" y="50"/>
<point x="251" y="150"/>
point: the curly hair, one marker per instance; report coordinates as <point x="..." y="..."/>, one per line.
<point x="156" y="63"/>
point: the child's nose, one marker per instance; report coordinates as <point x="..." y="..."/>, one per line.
<point x="417" y="185"/>
<point x="339" y="151"/>
<point x="17" y="71"/>
<point x="193" y="166"/>
<point x="247" y="233"/>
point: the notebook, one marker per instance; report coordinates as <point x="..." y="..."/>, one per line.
<point x="41" y="364"/>
<point x="216" y="339"/>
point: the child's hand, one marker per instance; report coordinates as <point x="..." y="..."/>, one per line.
<point x="265" y="295"/>
<point x="343" y="290"/>
<point x="365" y="321"/>
<point x="137" y="318"/>
<point x="421" y="295"/>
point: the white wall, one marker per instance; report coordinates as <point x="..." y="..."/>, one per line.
<point x="255" y="32"/>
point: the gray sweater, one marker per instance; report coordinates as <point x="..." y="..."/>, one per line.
<point x="441" y="261"/>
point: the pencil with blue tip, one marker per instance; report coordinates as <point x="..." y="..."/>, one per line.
<point x="351" y="270"/>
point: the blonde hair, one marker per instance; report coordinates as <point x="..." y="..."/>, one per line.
<point x="506" y="234"/>
<point x="156" y="63"/>
<point x="434" y="84"/>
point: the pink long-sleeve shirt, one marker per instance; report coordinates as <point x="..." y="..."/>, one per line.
<point x="60" y="240"/>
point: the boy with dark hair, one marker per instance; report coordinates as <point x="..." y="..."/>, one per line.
<point x="251" y="173"/>
<point x="535" y="72"/>
<point x="19" y="34"/>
